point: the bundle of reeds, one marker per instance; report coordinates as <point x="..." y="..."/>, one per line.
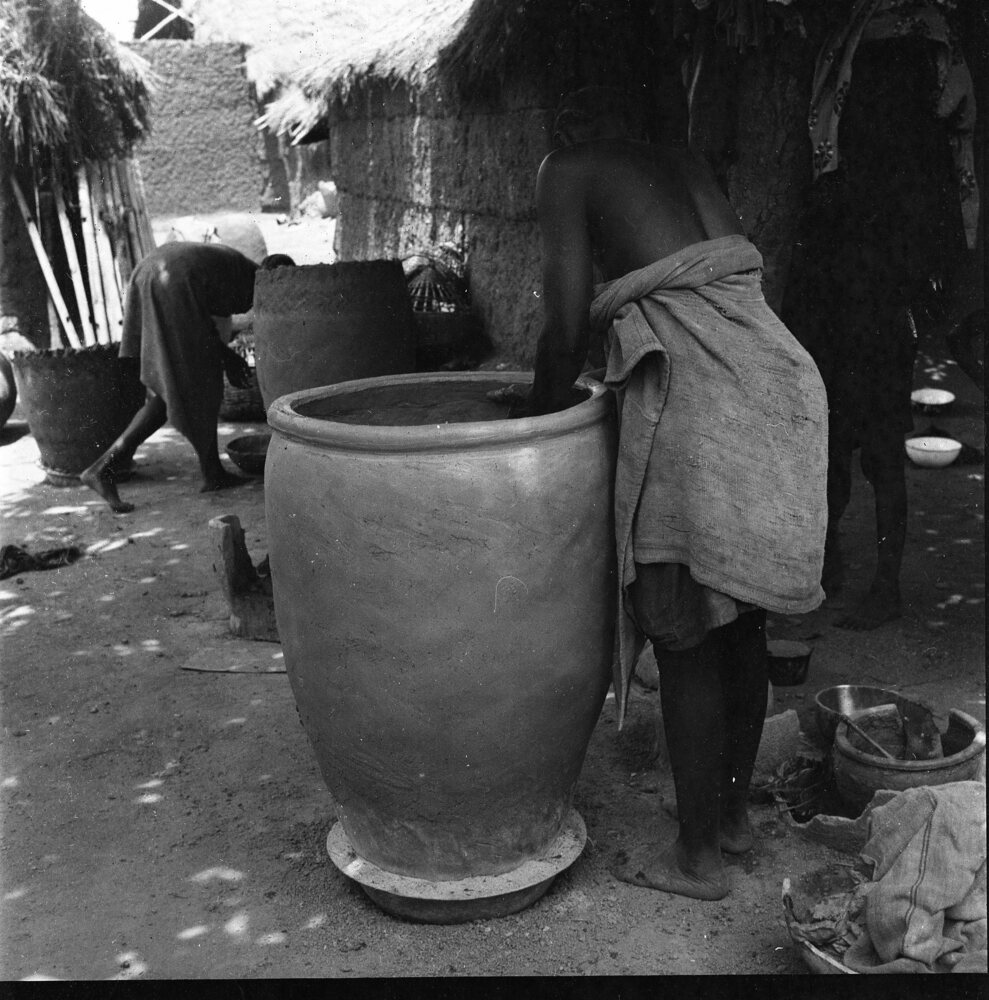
<point x="72" y="104"/>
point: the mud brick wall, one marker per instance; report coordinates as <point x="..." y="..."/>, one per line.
<point x="413" y="174"/>
<point x="204" y="154"/>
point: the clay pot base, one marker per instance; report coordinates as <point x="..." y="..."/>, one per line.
<point x="480" y="897"/>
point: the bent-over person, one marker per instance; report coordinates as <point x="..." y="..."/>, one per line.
<point x="720" y="499"/>
<point x="178" y="300"/>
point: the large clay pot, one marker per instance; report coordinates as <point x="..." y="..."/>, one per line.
<point x="8" y="390"/>
<point x="444" y="591"/>
<point x="324" y="323"/>
<point x="76" y="404"/>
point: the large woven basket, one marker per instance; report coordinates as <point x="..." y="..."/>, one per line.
<point x="243" y="405"/>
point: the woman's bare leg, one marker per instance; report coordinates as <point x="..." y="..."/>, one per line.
<point x="100" y="475"/>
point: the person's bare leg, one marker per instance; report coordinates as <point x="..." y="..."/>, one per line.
<point x="745" y="682"/>
<point x="882" y="603"/>
<point x="694" y="717"/>
<point x="100" y="475"/>
<point x="215" y="476"/>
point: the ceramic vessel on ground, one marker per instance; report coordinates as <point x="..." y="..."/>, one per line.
<point x="8" y="390"/>
<point x="787" y="661"/>
<point x="319" y="324"/>
<point x="933" y="452"/>
<point x="861" y="771"/>
<point x="444" y="589"/>
<point x="248" y="452"/>
<point x="76" y="403"/>
<point x="932" y="401"/>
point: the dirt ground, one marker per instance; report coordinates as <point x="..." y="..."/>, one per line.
<point x="163" y="820"/>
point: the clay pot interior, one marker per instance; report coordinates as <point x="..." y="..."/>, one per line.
<point x="431" y="404"/>
<point x="248" y="452"/>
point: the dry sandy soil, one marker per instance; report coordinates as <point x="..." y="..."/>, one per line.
<point x="164" y="820"/>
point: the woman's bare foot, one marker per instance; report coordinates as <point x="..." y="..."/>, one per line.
<point x="736" y="835"/>
<point x="669" y="871"/>
<point x="99" y="477"/>
<point x="221" y="480"/>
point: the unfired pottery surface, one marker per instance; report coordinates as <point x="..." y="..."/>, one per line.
<point x="445" y="598"/>
<point x="320" y="324"/>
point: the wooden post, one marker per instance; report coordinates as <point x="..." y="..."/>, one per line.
<point x="249" y="594"/>
<point x="78" y="285"/>
<point x="111" y="288"/>
<point x="92" y="259"/>
<point x="46" y="269"/>
<point x="140" y="202"/>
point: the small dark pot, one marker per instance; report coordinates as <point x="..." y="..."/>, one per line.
<point x="76" y="404"/>
<point x="8" y="390"/>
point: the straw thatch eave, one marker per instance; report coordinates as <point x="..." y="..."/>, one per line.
<point x="391" y="44"/>
<point x="68" y="89"/>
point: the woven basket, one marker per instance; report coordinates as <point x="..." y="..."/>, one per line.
<point x="243" y="405"/>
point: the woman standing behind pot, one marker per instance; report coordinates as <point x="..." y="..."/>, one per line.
<point x="175" y="297"/>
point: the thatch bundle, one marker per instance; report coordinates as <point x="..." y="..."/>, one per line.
<point x="389" y="42"/>
<point x="66" y="86"/>
<point x="73" y="102"/>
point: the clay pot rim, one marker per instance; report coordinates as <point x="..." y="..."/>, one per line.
<point x="976" y="747"/>
<point x="283" y="419"/>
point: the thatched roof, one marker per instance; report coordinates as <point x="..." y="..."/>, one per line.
<point x="392" y="41"/>
<point x="67" y="87"/>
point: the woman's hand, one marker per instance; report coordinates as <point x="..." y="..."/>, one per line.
<point x="237" y="370"/>
<point x="516" y="398"/>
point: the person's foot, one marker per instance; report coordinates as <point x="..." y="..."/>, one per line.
<point x="668" y="870"/>
<point x="736" y="834"/>
<point x="881" y="605"/>
<point x="99" y="477"/>
<point x="221" y="480"/>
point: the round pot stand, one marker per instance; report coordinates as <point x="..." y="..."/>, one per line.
<point x="478" y="897"/>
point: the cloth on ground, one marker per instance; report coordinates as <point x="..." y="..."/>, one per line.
<point x="723" y="441"/>
<point x="173" y="294"/>
<point x="926" y="911"/>
<point x="14" y="559"/>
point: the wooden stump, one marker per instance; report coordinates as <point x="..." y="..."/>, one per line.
<point x="246" y="587"/>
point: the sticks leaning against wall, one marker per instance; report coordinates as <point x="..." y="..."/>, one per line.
<point x="103" y="231"/>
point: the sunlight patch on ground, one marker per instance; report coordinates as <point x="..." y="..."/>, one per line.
<point x="190" y="933"/>
<point x="12" y="782"/>
<point x="314" y="923"/>
<point x="217" y="874"/>
<point x="273" y="937"/>
<point x="235" y="722"/>
<point x="122" y="650"/>
<point x="178" y="547"/>
<point x="148" y="800"/>
<point x="153" y="783"/>
<point x="294" y="855"/>
<point x="150" y="644"/>
<point x="148" y="579"/>
<point x="8" y="595"/>
<point x="131" y="965"/>
<point x="106" y="545"/>
<point x="65" y="510"/>
<point x="107" y="598"/>
<point x="236" y="926"/>
<point x="150" y="533"/>
<point x="19" y="893"/>
<point x="40" y="977"/>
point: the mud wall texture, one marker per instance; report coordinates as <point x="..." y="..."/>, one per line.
<point x="412" y="174"/>
<point x="204" y="153"/>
